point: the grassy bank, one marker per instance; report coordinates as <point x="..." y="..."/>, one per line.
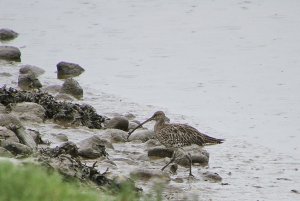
<point x="31" y="183"/>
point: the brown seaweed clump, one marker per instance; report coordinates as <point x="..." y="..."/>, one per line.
<point x="73" y="113"/>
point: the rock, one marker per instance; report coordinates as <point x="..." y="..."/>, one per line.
<point x="5" y="153"/>
<point x="8" y="34"/>
<point x="8" y="135"/>
<point x="160" y="152"/>
<point x="143" y="135"/>
<point x="115" y="135"/>
<point x="199" y="159"/>
<point x="147" y="174"/>
<point x="29" y="111"/>
<point x="29" y="69"/>
<point x="28" y="82"/>
<point x="153" y="143"/>
<point x="129" y="116"/>
<point x="36" y="136"/>
<point x="13" y="123"/>
<point x="72" y="87"/>
<point x="120" y="123"/>
<point x="5" y="74"/>
<point x="2" y="109"/>
<point x="67" y="148"/>
<point x="64" y="97"/>
<point x="52" y="89"/>
<point x="214" y="177"/>
<point x="93" y="147"/>
<point x="132" y="125"/>
<point x="16" y="148"/>
<point x="62" y="137"/>
<point x="10" y="53"/>
<point x="68" y="70"/>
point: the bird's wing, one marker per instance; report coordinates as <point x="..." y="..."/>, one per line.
<point x="180" y="135"/>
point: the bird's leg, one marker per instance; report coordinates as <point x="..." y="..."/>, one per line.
<point x="190" y="159"/>
<point x="171" y="161"/>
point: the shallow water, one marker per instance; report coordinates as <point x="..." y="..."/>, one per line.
<point x="230" y="69"/>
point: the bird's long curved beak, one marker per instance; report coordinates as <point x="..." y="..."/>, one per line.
<point x="140" y="125"/>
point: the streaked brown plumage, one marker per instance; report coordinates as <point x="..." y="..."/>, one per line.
<point x="177" y="136"/>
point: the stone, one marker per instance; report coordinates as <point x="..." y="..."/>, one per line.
<point x="132" y="125"/>
<point x="28" y="82"/>
<point x="67" y="148"/>
<point x="2" y="109"/>
<point x="64" y="97"/>
<point x="160" y="152"/>
<point x="7" y="34"/>
<point x="36" y="136"/>
<point x="93" y="147"/>
<point x="52" y="89"/>
<point x="120" y="123"/>
<point x="210" y="176"/>
<point x="62" y="137"/>
<point x="30" y="69"/>
<point x="115" y="135"/>
<point x="152" y="143"/>
<point x="72" y="87"/>
<point x="68" y="70"/>
<point x="10" y="53"/>
<point x="29" y="111"/>
<point x="16" y="148"/>
<point x="143" y="135"/>
<point x="5" y="153"/>
<point x="8" y="135"/>
<point x="147" y="174"/>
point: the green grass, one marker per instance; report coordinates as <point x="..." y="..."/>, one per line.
<point x="34" y="183"/>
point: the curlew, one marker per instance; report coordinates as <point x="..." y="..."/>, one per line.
<point x="177" y="136"/>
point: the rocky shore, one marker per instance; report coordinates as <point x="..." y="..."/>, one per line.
<point x="52" y="125"/>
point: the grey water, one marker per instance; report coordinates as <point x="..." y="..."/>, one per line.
<point x="231" y="69"/>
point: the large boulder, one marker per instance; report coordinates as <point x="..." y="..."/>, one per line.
<point x="68" y="70"/>
<point x="28" y="82"/>
<point x="93" y="147"/>
<point x="7" y="34"/>
<point x="29" y="111"/>
<point x="10" y="53"/>
<point x="36" y="71"/>
<point x="16" y="148"/>
<point x="8" y="135"/>
<point x="118" y="123"/>
<point x="72" y="87"/>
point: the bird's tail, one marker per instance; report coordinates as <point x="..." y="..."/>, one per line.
<point x="211" y="140"/>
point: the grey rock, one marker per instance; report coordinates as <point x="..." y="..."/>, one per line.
<point x="2" y="109"/>
<point x="62" y="137"/>
<point x="68" y="70"/>
<point x="8" y="135"/>
<point x="5" y="153"/>
<point x="5" y="74"/>
<point x="64" y="97"/>
<point x="153" y="143"/>
<point x="93" y="147"/>
<point x="115" y="135"/>
<point x="36" y="135"/>
<point x="120" y="123"/>
<point x="143" y="135"/>
<point x="16" y="148"/>
<point x="72" y="87"/>
<point x="52" y="89"/>
<point x="132" y="125"/>
<point x="30" y="69"/>
<point x="10" y="53"/>
<point x="28" y="82"/>
<point x="160" y="152"/>
<point x="29" y="111"/>
<point x="210" y="176"/>
<point x="199" y="157"/>
<point x="13" y="123"/>
<point x="8" y="34"/>
<point x="146" y="174"/>
<point x="69" y="148"/>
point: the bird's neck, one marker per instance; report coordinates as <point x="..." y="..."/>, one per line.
<point x="158" y="125"/>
